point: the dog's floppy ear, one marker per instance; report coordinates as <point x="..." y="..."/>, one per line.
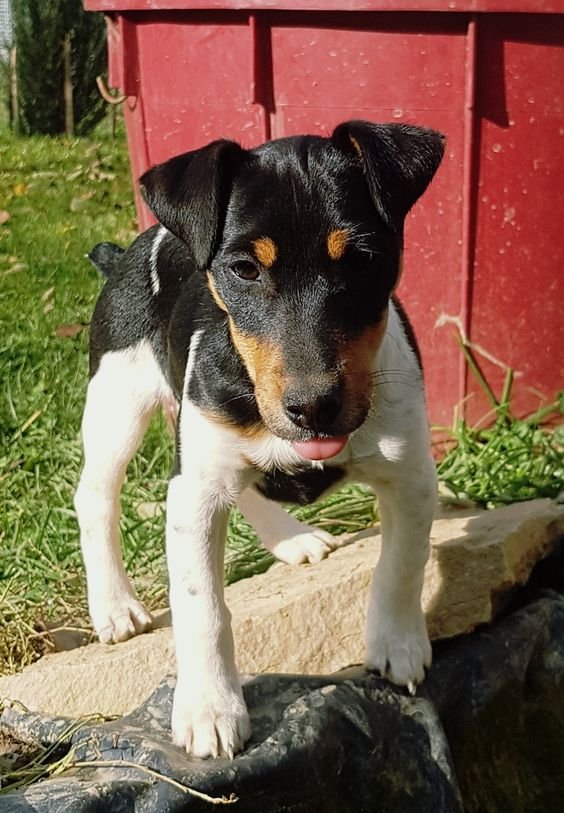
<point x="189" y="193"/>
<point x="398" y="160"/>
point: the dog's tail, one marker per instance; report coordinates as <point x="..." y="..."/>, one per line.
<point x="105" y="257"/>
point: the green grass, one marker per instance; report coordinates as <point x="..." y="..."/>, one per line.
<point x="63" y="196"/>
<point x="508" y="462"/>
<point x="510" y="459"/>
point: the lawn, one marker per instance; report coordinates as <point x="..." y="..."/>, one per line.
<point x="58" y="198"/>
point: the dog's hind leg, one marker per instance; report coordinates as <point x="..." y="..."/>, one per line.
<point x="122" y="396"/>
<point x="282" y="534"/>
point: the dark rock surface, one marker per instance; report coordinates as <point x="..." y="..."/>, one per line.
<point x="487" y="727"/>
<point x="500" y="696"/>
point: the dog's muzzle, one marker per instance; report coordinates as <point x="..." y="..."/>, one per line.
<point x="315" y="409"/>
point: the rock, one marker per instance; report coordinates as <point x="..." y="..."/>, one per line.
<point x="311" y="618"/>
<point x="483" y="734"/>
<point x="480" y="557"/>
<point x="500" y="697"/>
<point x="94" y="679"/>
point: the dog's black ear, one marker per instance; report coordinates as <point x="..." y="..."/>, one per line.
<point x="189" y="194"/>
<point x="398" y="160"/>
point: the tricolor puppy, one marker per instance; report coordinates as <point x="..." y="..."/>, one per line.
<point x="261" y="309"/>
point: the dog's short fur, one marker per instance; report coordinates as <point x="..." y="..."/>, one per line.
<point x="262" y="310"/>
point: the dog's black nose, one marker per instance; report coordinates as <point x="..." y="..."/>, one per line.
<point x="313" y="409"/>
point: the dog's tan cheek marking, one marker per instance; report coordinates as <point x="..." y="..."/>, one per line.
<point x="357" y="356"/>
<point x="265" y="366"/>
<point x="337" y="243"/>
<point x="213" y="290"/>
<point x="266" y="251"/>
<point x="400" y="271"/>
<point x="251" y="432"/>
<point x="245" y="346"/>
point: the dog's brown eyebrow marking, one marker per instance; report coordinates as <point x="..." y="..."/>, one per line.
<point x="337" y="243"/>
<point x="266" y="251"/>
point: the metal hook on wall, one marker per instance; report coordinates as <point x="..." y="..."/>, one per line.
<point x="106" y="95"/>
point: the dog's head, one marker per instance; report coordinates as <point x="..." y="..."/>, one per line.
<point x="301" y="241"/>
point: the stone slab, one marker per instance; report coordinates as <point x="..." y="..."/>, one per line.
<point x="310" y="619"/>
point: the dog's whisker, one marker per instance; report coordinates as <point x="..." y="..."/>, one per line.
<point x="236" y="398"/>
<point x="390" y="377"/>
<point x="390" y="371"/>
<point x="395" y="383"/>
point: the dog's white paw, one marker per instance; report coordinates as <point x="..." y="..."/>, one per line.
<point x="210" y="729"/>
<point x="120" y="619"/>
<point x="399" y="649"/>
<point x="310" y="546"/>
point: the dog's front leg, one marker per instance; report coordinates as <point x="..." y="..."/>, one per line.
<point x="397" y="643"/>
<point x="209" y="716"/>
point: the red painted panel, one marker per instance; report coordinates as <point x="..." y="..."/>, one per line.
<point x="452" y="6"/>
<point x="138" y="159"/>
<point x="197" y="84"/>
<point x="389" y="62"/>
<point x="210" y="63"/>
<point x="518" y="290"/>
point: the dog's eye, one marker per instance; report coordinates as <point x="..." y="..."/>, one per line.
<point x="362" y="258"/>
<point x="246" y="270"/>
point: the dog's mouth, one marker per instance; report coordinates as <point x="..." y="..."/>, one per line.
<point x="320" y="448"/>
<point x="316" y="443"/>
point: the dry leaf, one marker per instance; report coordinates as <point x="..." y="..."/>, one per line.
<point x="16" y="268"/>
<point x="4" y="216"/>
<point x="72" y="176"/>
<point x="68" y="331"/>
<point x="80" y="202"/>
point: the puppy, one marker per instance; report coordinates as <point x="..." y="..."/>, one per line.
<point x="262" y="310"/>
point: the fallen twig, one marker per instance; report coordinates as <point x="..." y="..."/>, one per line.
<point x="123" y="763"/>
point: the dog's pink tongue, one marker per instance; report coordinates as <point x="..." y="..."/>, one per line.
<point x="320" y="448"/>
